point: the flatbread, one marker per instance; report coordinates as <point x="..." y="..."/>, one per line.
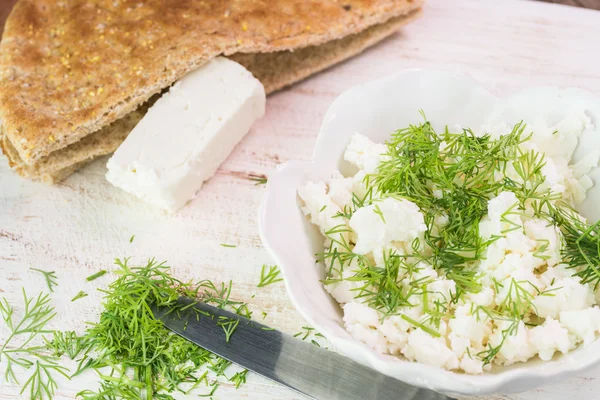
<point x="46" y="132"/>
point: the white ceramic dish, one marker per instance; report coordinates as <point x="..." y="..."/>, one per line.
<point x="376" y="109"/>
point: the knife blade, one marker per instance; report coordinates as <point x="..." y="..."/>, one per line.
<point x="315" y="372"/>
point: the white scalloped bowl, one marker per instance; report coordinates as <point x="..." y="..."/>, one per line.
<point x="376" y="109"/>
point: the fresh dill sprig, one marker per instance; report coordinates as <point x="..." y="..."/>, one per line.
<point x="379" y="212"/>
<point x="488" y="355"/>
<point x="582" y="244"/>
<point x="38" y="312"/>
<point x="96" y="275"/>
<point x="518" y="300"/>
<point x="382" y="289"/>
<point x="243" y="310"/>
<point x="79" y="295"/>
<point x="49" y="276"/>
<point x="269" y="275"/>
<point x="218" y="296"/>
<point x="213" y="388"/>
<point x="68" y="343"/>
<point x="239" y="378"/>
<point x="229" y="326"/>
<point x="219" y="366"/>
<point x="41" y="384"/>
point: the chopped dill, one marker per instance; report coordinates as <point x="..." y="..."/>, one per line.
<point x="305" y="333"/>
<point x="134" y="355"/>
<point x="309" y="333"/>
<point x="417" y="324"/>
<point x="67" y="343"/>
<point x="239" y="378"/>
<point x="96" y="275"/>
<point x="79" y="295"/>
<point x="258" y="179"/>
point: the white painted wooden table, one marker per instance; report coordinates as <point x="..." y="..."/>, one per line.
<point x="80" y="225"/>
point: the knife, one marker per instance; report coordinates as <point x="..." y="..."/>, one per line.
<point x="315" y="372"/>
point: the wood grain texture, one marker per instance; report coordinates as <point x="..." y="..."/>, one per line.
<point x="79" y="226"/>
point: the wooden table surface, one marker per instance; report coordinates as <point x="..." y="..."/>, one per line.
<point x="80" y="225"/>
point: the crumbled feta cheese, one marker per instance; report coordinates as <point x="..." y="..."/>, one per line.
<point x="471" y="365"/>
<point x="485" y="297"/>
<point x="364" y="154"/>
<point x="584" y="324"/>
<point x="319" y="205"/>
<point x="566" y="294"/>
<point x="340" y="190"/>
<point x="472" y="326"/>
<point x="381" y="223"/>
<point x="395" y="329"/>
<point x="440" y="290"/>
<point x="494" y="255"/>
<point x="503" y="216"/>
<point x="586" y="164"/>
<point x="529" y="304"/>
<point x="343" y="290"/>
<point x="513" y="347"/>
<point x="424" y="348"/>
<point x="550" y="337"/>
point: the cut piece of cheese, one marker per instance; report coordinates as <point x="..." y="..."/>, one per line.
<point x="187" y="134"/>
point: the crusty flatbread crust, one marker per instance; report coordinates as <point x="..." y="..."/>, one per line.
<point x="70" y="68"/>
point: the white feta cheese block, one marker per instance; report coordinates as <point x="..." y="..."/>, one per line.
<point x="187" y="134"/>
